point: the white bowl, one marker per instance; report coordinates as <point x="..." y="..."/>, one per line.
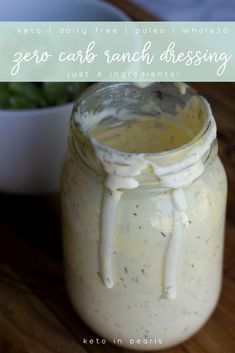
<point x="33" y="142"/>
<point x="32" y="147"/>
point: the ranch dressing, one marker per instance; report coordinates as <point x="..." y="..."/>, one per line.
<point x="132" y="252"/>
<point x="139" y="136"/>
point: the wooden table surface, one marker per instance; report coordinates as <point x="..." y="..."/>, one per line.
<point x="35" y="313"/>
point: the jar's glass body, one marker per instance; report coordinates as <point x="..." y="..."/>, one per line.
<point x="135" y="310"/>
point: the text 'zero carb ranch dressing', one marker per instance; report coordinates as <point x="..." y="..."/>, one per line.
<point x="143" y="199"/>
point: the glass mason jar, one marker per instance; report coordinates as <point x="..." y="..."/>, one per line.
<point x="143" y="200"/>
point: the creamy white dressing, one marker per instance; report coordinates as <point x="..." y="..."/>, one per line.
<point x="141" y="84"/>
<point x="174" y="248"/>
<point x="181" y="86"/>
<point x="154" y="234"/>
<point x="122" y="171"/>
<point x="110" y="210"/>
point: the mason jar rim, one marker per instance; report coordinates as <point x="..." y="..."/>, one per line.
<point x="99" y="87"/>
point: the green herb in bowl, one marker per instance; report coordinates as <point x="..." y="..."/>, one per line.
<point x="27" y="95"/>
